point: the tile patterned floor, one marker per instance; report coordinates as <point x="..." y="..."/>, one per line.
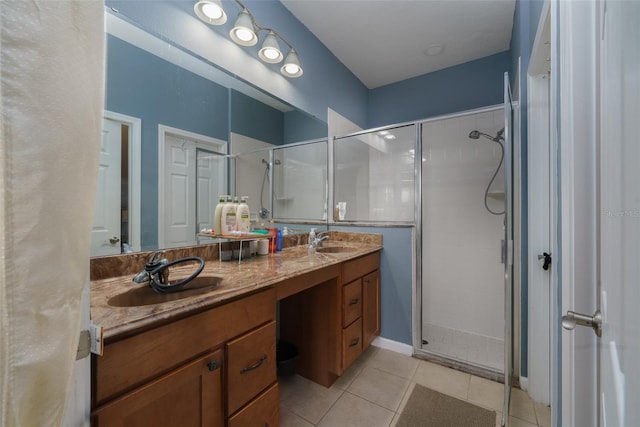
<point x="376" y="387"/>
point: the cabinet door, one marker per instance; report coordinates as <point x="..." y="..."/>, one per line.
<point x="370" y="308"/>
<point x="264" y="411"/>
<point x="190" y="396"/>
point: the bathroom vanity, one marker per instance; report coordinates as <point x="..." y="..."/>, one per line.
<point x="210" y="358"/>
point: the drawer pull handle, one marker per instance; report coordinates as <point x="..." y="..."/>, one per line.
<point x="354" y="342"/>
<point x="354" y="301"/>
<point x="256" y="366"/>
<point x="213" y="365"/>
<point x="367" y="281"/>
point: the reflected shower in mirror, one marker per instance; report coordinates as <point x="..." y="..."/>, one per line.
<point x="300" y="181"/>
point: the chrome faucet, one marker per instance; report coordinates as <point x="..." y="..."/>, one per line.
<point x="320" y="237"/>
<point x="145" y="275"/>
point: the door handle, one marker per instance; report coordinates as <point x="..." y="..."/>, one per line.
<point x="547" y="260"/>
<point x="114" y="240"/>
<point x="571" y="319"/>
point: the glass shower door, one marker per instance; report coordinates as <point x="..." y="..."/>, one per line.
<point x="507" y="248"/>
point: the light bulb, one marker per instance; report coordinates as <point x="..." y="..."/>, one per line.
<point x="212" y="11"/>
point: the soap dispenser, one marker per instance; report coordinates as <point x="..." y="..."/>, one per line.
<point x="228" y="217"/>
<point x="312" y="236"/>
<point x="243" y="222"/>
<point x="217" y="225"/>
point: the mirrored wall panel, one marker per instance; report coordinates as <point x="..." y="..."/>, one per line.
<point x="374" y="176"/>
<point x="300" y="181"/>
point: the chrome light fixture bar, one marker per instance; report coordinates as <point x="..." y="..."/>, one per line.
<point x="245" y="33"/>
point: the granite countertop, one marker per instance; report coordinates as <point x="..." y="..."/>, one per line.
<point x="232" y="280"/>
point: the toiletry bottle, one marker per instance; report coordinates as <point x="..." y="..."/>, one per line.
<point x="243" y="223"/>
<point x="228" y="217"/>
<point x="217" y="225"/>
<point x="312" y="237"/>
<point x="279" y="243"/>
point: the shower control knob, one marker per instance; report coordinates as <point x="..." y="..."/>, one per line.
<point x="114" y="240"/>
<point x="547" y="260"/>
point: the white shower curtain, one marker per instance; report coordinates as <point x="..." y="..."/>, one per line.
<point x="51" y="101"/>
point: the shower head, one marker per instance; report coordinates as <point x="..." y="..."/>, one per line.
<point x="266" y="163"/>
<point x="475" y="134"/>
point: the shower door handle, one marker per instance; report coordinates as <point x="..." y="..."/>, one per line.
<point x="506" y="253"/>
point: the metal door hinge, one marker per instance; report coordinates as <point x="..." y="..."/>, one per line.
<point x="90" y="342"/>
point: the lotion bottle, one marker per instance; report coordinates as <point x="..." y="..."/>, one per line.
<point x="243" y="221"/>
<point x="217" y="225"/>
<point x="228" y="217"/>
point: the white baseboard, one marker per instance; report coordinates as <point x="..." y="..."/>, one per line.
<point x="524" y="383"/>
<point x="396" y="346"/>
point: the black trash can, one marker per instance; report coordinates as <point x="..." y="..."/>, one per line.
<point x="286" y="356"/>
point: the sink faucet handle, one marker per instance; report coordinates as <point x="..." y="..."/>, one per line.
<point x="155" y="256"/>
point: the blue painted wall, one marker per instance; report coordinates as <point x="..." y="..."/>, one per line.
<point x="299" y="127"/>
<point x="256" y="120"/>
<point x="466" y="86"/>
<point x="525" y="24"/>
<point x="396" y="272"/>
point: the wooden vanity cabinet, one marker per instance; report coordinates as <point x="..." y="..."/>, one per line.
<point x="331" y="316"/>
<point x="180" y="373"/>
<point x="360" y="306"/>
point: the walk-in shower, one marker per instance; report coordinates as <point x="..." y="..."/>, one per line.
<point x="462" y="278"/>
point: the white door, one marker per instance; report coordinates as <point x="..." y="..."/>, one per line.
<point x="620" y="213"/>
<point x="105" y="235"/>
<point x="179" y="192"/>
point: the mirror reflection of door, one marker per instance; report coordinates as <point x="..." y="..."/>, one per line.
<point x="106" y="236"/>
<point x="192" y="172"/>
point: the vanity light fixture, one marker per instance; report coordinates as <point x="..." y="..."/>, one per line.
<point x="245" y="32"/>
<point x="210" y="11"/>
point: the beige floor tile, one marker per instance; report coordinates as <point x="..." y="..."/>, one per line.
<point x="522" y="406"/>
<point x="345" y="380"/>
<point x="353" y="411"/>
<point x="393" y="363"/>
<point x="306" y="398"/>
<point x="379" y="387"/>
<point x="486" y="393"/>
<point x="442" y="379"/>
<point x="289" y="419"/>
<point x="543" y="414"/>
<point x="517" y="422"/>
<point x="394" y="422"/>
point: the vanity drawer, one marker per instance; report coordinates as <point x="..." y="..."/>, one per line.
<point x="358" y="267"/>
<point x="351" y="343"/>
<point x="351" y="302"/>
<point x="251" y="365"/>
<point x="264" y="411"/>
<point x="129" y="363"/>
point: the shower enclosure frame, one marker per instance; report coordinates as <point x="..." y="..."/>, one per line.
<point x="418" y="351"/>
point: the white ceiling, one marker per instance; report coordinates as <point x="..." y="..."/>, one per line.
<point x="383" y="41"/>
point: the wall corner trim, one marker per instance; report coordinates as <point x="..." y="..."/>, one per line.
<point x="396" y="346"/>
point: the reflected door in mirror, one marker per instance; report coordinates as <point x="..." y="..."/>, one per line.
<point x="105" y="236"/>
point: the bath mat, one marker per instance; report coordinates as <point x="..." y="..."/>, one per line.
<point x="428" y="408"/>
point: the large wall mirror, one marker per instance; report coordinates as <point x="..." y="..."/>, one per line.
<point x="176" y="129"/>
